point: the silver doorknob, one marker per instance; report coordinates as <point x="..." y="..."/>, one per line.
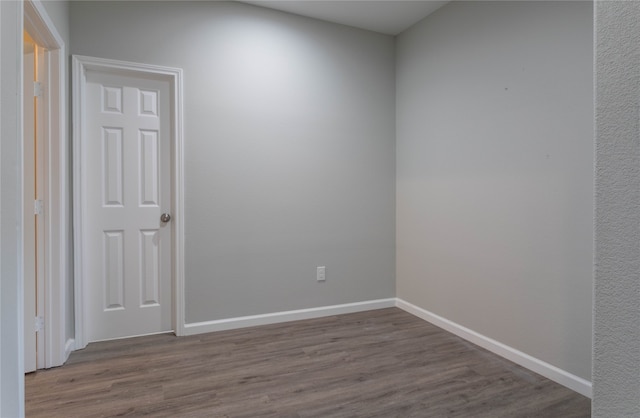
<point x="165" y="217"/>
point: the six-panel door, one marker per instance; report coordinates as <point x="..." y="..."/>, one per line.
<point x="127" y="151"/>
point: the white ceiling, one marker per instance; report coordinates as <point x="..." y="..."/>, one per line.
<point x="384" y="16"/>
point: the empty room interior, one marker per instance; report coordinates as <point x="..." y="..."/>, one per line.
<point x="422" y="201"/>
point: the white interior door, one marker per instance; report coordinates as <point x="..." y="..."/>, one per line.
<point x="29" y="194"/>
<point x="127" y="165"/>
<point x="33" y="197"/>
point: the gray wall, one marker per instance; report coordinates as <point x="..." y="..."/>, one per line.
<point x="58" y="11"/>
<point x="495" y="173"/>
<point x="289" y="135"/>
<point x="616" y="372"/>
<point x="11" y="306"/>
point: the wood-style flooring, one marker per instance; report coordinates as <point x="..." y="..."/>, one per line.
<point x="383" y="363"/>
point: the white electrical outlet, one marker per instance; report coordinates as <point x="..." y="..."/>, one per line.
<point x="321" y="273"/>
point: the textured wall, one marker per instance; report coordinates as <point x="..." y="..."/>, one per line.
<point x="495" y="173"/>
<point x="616" y="373"/>
<point x="289" y="144"/>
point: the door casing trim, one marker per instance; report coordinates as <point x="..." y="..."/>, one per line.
<point x="80" y="64"/>
<point x="55" y="193"/>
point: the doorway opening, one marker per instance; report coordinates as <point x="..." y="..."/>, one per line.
<point x="48" y="338"/>
<point x="128" y="199"/>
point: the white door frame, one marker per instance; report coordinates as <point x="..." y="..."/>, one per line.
<point x="33" y="226"/>
<point x="56" y="346"/>
<point x="174" y="75"/>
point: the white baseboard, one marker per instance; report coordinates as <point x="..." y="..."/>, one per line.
<point x="547" y="370"/>
<point x="286" y="316"/>
<point x="69" y="346"/>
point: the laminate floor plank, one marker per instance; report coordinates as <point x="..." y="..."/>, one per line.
<point x="383" y="363"/>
